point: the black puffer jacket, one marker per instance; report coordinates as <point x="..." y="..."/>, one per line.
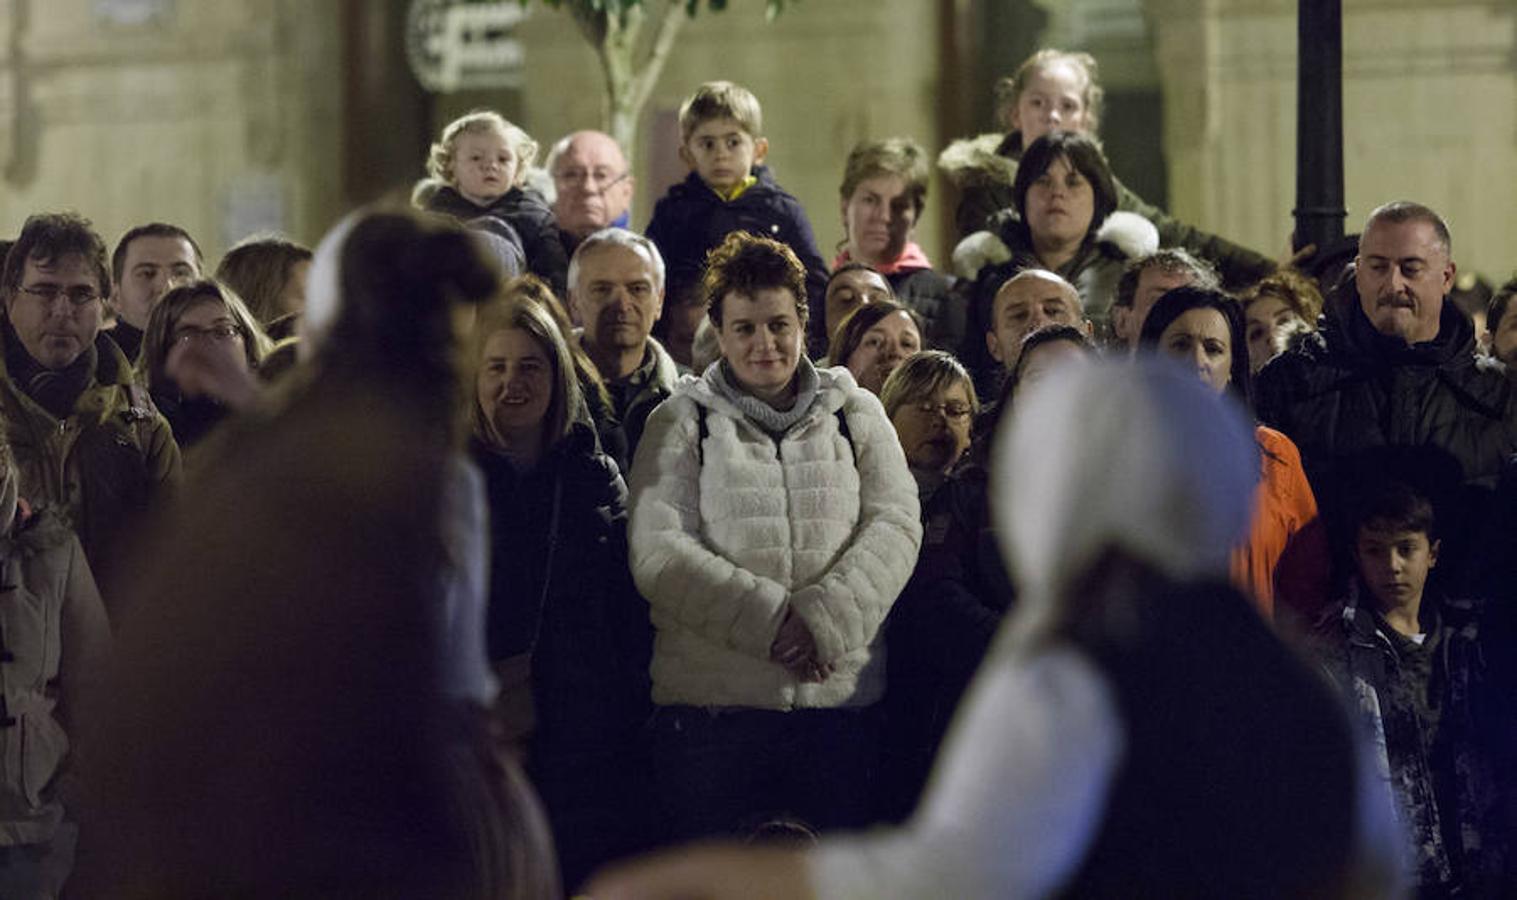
<point x="560" y="586"/>
<point x="944" y="310"/>
<point x="691" y="220"/>
<point x="1348" y="390"/>
<point x="532" y="220"/>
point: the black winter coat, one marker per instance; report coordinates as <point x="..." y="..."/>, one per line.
<point x="1348" y="389"/>
<point x="533" y="222"/>
<point x="691" y="220"/>
<point x="1238" y="764"/>
<point x="944" y="310"/>
<point x="560" y="586"/>
<point x="939" y="630"/>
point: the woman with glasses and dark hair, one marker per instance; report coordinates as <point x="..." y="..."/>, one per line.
<point x="201" y="354"/>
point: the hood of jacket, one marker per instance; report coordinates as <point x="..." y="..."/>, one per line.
<point x="693" y="186"/>
<point x="834" y="385"/>
<point x="982" y="161"/>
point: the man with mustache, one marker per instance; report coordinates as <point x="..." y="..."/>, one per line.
<point x="1392" y="374"/>
<point x="616" y="292"/>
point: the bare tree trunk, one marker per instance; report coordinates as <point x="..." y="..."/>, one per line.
<point x="629" y="80"/>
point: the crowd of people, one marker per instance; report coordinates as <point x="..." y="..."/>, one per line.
<point x="493" y="542"/>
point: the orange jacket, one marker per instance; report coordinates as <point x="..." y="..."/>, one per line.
<point x="1286" y="553"/>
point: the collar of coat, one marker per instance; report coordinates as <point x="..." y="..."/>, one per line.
<point x="979" y="161"/>
<point x="112" y="370"/>
<point x="1347" y="331"/>
<point x="834" y="386"/>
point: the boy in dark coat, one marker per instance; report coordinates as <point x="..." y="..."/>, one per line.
<point x="728" y="190"/>
<point x="1433" y="690"/>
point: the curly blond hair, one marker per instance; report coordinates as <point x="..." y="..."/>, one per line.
<point x="481" y="121"/>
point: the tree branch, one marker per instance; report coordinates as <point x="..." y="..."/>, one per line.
<point x="669" y="26"/>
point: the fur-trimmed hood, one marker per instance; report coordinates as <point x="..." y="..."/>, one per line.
<point x="980" y="161"/>
<point x="1129" y="234"/>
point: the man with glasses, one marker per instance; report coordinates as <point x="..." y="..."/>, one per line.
<point x="85" y="435"/>
<point x="593" y="185"/>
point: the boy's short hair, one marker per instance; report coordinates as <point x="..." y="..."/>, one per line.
<point x="720" y="100"/>
<point x="1395" y="506"/>
<point x="747" y="263"/>
<point x="444" y="151"/>
<point x="46" y="237"/>
<point x="156" y="230"/>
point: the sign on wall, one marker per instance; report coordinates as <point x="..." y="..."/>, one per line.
<point x="457" y="45"/>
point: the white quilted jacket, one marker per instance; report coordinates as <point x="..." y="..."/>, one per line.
<point x="727" y="538"/>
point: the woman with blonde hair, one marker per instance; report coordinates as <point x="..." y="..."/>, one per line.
<point x="930" y="400"/>
<point x="565" y="631"/>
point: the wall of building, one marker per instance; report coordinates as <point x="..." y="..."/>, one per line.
<point x="228" y="117"/>
<point x="828" y="74"/>
<point x="1430" y="114"/>
<point x="221" y="117"/>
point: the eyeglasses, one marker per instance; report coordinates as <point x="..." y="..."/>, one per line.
<point x="218" y="333"/>
<point x="953" y="409"/>
<point x="596" y="179"/>
<point x="77" y="296"/>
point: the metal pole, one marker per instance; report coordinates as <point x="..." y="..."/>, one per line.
<point x="1319" y="209"/>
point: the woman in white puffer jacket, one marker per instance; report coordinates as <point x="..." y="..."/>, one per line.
<point x="774" y="522"/>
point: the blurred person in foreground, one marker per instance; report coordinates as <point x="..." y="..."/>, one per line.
<point x="296" y="709"/>
<point x="1137" y="730"/>
<point x="946" y="618"/>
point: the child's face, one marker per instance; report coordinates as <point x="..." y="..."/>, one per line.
<point x="722" y="153"/>
<point x="1394" y="563"/>
<point x="1054" y="99"/>
<point x="484" y="166"/>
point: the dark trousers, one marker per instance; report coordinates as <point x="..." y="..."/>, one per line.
<point x="725" y="772"/>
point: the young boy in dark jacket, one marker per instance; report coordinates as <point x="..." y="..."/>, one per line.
<point x="728" y="190"/>
<point x="1434" y="691"/>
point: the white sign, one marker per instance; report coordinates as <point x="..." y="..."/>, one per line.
<point x="454" y="45"/>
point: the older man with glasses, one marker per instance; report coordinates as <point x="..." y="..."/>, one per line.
<point x="85" y="435"/>
<point x="593" y="185"/>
